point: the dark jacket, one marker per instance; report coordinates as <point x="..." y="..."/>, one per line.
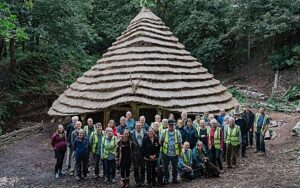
<point x="70" y="129"/>
<point x="190" y="135"/>
<point x="249" y="117"/>
<point x="149" y="148"/>
<point x="80" y="147"/>
<point x="182" y="132"/>
<point x="137" y="150"/>
<point x="58" y="142"/>
<point x="243" y="126"/>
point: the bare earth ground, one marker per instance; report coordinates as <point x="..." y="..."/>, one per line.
<point x="30" y="163"/>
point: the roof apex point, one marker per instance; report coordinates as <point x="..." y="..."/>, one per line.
<point x="145" y="13"/>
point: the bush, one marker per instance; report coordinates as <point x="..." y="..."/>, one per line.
<point x="284" y="57"/>
<point x="237" y="94"/>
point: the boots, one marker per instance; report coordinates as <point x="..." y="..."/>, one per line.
<point x="123" y="183"/>
<point x="127" y="183"/>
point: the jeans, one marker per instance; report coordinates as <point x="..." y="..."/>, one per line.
<point x="96" y="158"/>
<point x="231" y="154"/>
<point x="73" y="162"/>
<point x="166" y="161"/>
<point x="110" y="168"/>
<point x="139" y="169"/>
<point x="151" y="172"/>
<point x="125" y="171"/>
<point x="81" y="165"/>
<point x="69" y="156"/>
<point x="215" y="157"/>
<point x="224" y="152"/>
<point x="251" y="138"/>
<point x="59" y="155"/>
<point x="260" y="142"/>
<point x="244" y="144"/>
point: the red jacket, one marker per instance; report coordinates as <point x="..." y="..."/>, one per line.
<point x="59" y="143"/>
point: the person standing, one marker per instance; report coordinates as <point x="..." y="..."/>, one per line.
<point x="157" y="119"/>
<point x="196" y="122"/>
<point x="81" y="155"/>
<point x="130" y="122"/>
<point x="220" y="117"/>
<point x="204" y="135"/>
<point x="108" y="154"/>
<point x="74" y="135"/>
<point x="112" y="125"/>
<point x="88" y="130"/>
<point x="241" y="122"/>
<point x="205" y="117"/>
<point x="249" y="117"/>
<point x="71" y="127"/>
<point x="190" y="133"/>
<point x="186" y="161"/>
<point x="180" y="128"/>
<point x="144" y="125"/>
<point x="137" y="136"/>
<point x="170" y="141"/>
<point x="164" y="125"/>
<point x="150" y="151"/>
<point x="96" y="142"/>
<point x="261" y="123"/>
<point x="224" y="129"/>
<point x="233" y="140"/>
<point x="236" y="109"/>
<point x="124" y="157"/>
<point x="184" y="117"/>
<point x="59" y="143"/>
<point x="121" y="127"/>
<point x="217" y="143"/>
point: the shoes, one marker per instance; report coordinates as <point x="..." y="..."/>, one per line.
<point x="84" y="177"/>
<point x="244" y="156"/>
<point x="233" y="166"/>
<point x="228" y="166"/>
<point x="101" y="175"/>
<point x="77" y="178"/>
<point x="106" y="180"/>
<point x="113" y="180"/>
<point x="256" y="151"/>
<point x="142" y="185"/>
<point x="175" y="181"/>
<point x="57" y="175"/>
<point x="71" y="173"/>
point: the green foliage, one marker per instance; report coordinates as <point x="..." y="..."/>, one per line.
<point x="147" y="3"/>
<point x="8" y="25"/>
<point x="284" y="57"/>
<point x="237" y="94"/>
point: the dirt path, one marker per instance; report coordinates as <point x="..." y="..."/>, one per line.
<point x="30" y="162"/>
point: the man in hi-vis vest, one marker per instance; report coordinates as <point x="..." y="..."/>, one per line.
<point x="261" y="123"/>
<point x="233" y="139"/>
<point x="170" y="140"/>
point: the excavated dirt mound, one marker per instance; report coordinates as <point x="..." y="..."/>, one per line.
<point x="30" y="163"/>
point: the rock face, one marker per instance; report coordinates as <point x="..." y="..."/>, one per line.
<point x="296" y="129"/>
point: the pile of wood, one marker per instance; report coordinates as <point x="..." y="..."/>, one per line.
<point x="17" y="135"/>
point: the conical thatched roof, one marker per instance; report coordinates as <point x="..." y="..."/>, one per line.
<point x="148" y="57"/>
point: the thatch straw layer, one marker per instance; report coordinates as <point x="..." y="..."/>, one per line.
<point x="146" y="65"/>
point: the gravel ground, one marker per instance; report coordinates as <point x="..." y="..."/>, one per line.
<point x="30" y="163"/>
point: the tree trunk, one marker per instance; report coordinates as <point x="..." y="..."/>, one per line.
<point x="1" y="47"/>
<point x="249" y="47"/>
<point x="276" y="79"/>
<point x="12" y="53"/>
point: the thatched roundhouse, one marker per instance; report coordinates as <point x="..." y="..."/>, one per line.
<point x="146" y="71"/>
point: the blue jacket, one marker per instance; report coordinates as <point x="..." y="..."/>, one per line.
<point x="80" y="147"/>
<point x="190" y="136"/>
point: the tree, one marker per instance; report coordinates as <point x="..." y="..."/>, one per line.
<point x="9" y="32"/>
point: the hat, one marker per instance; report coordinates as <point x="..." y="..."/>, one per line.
<point x="171" y="122"/>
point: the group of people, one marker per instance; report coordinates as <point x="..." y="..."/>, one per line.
<point x="193" y="148"/>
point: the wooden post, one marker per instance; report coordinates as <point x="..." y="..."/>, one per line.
<point x="106" y="115"/>
<point x="135" y="111"/>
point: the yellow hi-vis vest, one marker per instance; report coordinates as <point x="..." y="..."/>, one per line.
<point x="217" y="138"/>
<point x="96" y="141"/>
<point x="109" y="147"/>
<point x="86" y="130"/>
<point x="264" y="122"/>
<point x="187" y="159"/>
<point x="166" y="145"/>
<point x="232" y="136"/>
